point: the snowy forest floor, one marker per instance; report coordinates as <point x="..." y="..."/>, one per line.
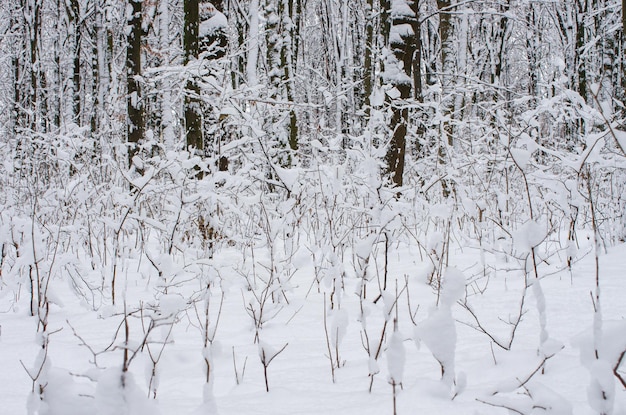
<point x="480" y="378"/>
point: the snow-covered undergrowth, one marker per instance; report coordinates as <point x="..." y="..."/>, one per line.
<point x="310" y="290"/>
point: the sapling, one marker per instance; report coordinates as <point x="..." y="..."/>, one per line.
<point x="267" y="354"/>
<point x="239" y="374"/>
<point x="267" y="291"/>
<point x="603" y="367"/>
<point x="616" y="368"/>
<point x="438" y="330"/>
<point x="408" y="301"/>
<point x="364" y="311"/>
<point x="137" y="189"/>
<point x="396" y="356"/>
<point x="374" y="351"/>
<point x="521" y="394"/>
<point x="155" y="355"/>
<point x="334" y="335"/>
<point x="328" y="344"/>
<point x="395" y="362"/>
<point x="208" y="333"/>
<point x="362" y="253"/>
<point x="572" y="240"/>
<point x="261" y="307"/>
<point x="513" y="321"/>
<point x="529" y="237"/>
<point x="84" y="343"/>
<point x="43" y="259"/>
<point x="601" y="391"/>
<point x="116" y="388"/>
<point x="39" y="373"/>
<point x="207" y="321"/>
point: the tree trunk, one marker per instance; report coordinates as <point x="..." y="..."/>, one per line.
<point x="417" y="53"/>
<point x="193" y="121"/>
<point x="166" y="105"/>
<point x="404" y="47"/>
<point x="272" y="20"/>
<point x="500" y="39"/>
<point x="73" y="14"/>
<point x="447" y="66"/>
<point x="532" y="51"/>
<point x="136" y="121"/>
<point x="580" y="44"/>
<point x="253" y="44"/>
<point x="17" y="63"/>
<point x="32" y="11"/>
<point x="447" y="86"/>
<point x="368" y="70"/>
<point x="623" y="62"/>
<point x="291" y="11"/>
<point x="94" y="117"/>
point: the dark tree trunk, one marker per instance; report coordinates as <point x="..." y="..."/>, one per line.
<point x="404" y="48"/>
<point x="288" y="59"/>
<point x="95" y="71"/>
<point x="368" y="70"/>
<point x="136" y="119"/>
<point x="417" y="53"/>
<point x="447" y="65"/>
<point x="17" y="62"/>
<point x="73" y="13"/>
<point x="33" y="11"/>
<point x="623" y="62"/>
<point x="580" y="44"/>
<point x="193" y="120"/>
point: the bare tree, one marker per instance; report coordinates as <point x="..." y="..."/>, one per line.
<point x="404" y="46"/>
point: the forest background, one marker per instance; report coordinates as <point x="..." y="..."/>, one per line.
<point x="247" y="149"/>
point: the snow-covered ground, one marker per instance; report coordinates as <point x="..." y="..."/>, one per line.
<point x="552" y="374"/>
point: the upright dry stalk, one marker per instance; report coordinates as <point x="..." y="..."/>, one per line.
<point x="536" y="284"/>
<point x="597" y="315"/>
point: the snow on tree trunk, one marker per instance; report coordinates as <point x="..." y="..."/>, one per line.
<point x="253" y="44"/>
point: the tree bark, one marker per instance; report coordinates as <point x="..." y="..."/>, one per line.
<point x="623" y="61"/>
<point x="193" y="121"/>
<point x="447" y="66"/>
<point x="73" y="13"/>
<point x="136" y="121"/>
<point x="368" y="70"/>
<point x="403" y="45"/>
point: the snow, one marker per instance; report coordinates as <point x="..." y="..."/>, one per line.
<point x="171" y="304"/>
<point x="521" y="157"/>
<point x="620" y="136"/>
<point x="298" y="377"/>
<point x="339" y="326"/>
<point x="453" y="289"/>
<point x="278" y="284"/>
<point x="396" y="357"/>
<point x="528" y="236"/>
<point x="289" y="177"/>
<point x="399" y="32"/>
<point x="378" y="97"/>
<point x="216" y="22"/>
<point x="400" y="8"/>
<point x="393" y="93"/>
<point x="438" y="330"/>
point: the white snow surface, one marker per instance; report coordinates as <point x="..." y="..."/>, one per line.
<point x="487" y="378"/>
<point x="215" y="22"/>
